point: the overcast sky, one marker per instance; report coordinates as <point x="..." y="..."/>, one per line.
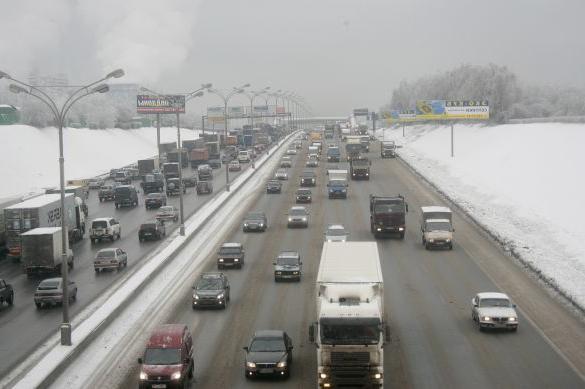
<point x="338" y="54"/>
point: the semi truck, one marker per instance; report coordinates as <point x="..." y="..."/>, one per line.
<point x="170" y="170"/>
<point x="353" y="147"/>
<point x="80" y="193"/>
<point x="173" y="156"/>
<point x="42" y="211"/>
<point x="42" y="250"/>
<point x="359" y="168"/>
<point x="350" y="328"/>
<point x="3" y="204"/>
<point x="388" y="149"/>
<point x="198" y="157"/>
<point x="147" y="166"/>
<point x="436" y="226"/>
<point x="388" y="215"/>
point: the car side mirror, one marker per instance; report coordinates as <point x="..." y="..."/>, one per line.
<point x="245" y="348"/>
<point x="513" y="305"/>
<point x="140" y="361"/>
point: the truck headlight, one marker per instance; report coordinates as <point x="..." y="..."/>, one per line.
<point x="261" y="224"/>
<point x="143" y="376"/>
<point x="281" y="364"/>
<point x="220" y="296"/>
<point x="220" y="260"/>
<point x="431" y="240"/>
<point x="176" y="375"/>
<point x="251" y="365"/>
<point x="278" y="273"/>
<point x="196" y="297"/>
<point x="245" y="224"/>
<point x="378" y="376"/>
<point x="367" y="174"/>
<point x="512" y="319"/>
<point x="323" y="376"/>
<point x="237" y="259"/>
<point x="290" y="219"/>
<point x="379" y="229"/>
<point x="401" y="229"/>
<point x="486" y="318"/>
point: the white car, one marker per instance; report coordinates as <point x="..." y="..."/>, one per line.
<point x="492" y="310"/>
<point x="281" y="174"/>
<point x="285" y="162"/>
<point x="104" y="228"/>
<point x="244" y="156"/>
<point x="168" y="212"/>
<point x="291" y="152"/>
<point x="336" y="233"/>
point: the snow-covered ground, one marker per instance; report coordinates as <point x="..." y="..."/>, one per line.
<point x="29" y="159"/>
<point x="524" y="182"/>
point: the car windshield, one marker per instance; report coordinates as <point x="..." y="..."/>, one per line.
<point x="209" y="283"/>
<point x="166" y="209"/>
<point x="99" y="224"/>
<point x="255" y="216"/>
<point x="122" y="190"/>
<point x="148" y="226"/>
<point x="230" y="250"/>
<point x="153" y="196"/>
<point x="267" y="345"/>
<point x="162" y="356"/>
<point x="337" y="182"/>
<point x="438" y="226"/>
<point x="308" y="175"/>
<point x="304" y="192"/>
<point x="336" y="232"/>
<point x="389" y="207"/>
<point x="107" y="187"/>
<point x="49" y="284"/>
<point x="106" y="254"/>
<point x="287" y="261"/>
<point x="494" y="302"/>
<point x="297" y="212"/>
<point x="350" y="331"/>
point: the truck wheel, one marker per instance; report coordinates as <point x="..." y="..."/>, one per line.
<point x="97" y="270"/>
<point x="402" y="235"/>
<point x="426" y="246"/>
<point x="10" y="299"/>
<point x="38" y="305"/>
<point x="451" y="246"/>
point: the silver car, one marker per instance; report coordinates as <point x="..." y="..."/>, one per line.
<point x="50" y="292"/>
<point x="494" y="310"/>
<point x="298" y="216"/>
<point x="110" y="258"/>
<point x="336" y="233"/>
<point x="281" y="174"/>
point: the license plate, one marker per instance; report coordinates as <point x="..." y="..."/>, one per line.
<point x="266" y="371"/>
<point x="158" y="386"/>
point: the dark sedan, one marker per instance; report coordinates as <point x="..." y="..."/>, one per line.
<point x="269" y="353"/>
<point x="255" y="221"/>
<point x="304" y="196"/>
<point x="155" y="200"/>
<point x="274" y="186"/>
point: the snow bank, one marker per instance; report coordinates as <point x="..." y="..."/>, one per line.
<point x="30" y="156"/>
<point x="524" y="182"/>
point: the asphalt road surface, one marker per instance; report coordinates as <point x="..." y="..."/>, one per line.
<point x="23" y="326"/>
<point x="434" y="343"/>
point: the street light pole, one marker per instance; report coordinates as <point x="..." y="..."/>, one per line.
<point x="60" y="115"/>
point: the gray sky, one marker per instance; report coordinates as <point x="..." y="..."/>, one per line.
<point x="338" y="54"/>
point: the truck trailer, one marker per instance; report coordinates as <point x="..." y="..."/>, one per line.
<point x="350" y="328"/>
<point x="42" y="211"/>
<point x="147" y="166"/>
<point x="42" y="251"/>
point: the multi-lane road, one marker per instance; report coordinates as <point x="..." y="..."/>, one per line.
<point x="434" y="342"/>
<point x="23" y="327"/>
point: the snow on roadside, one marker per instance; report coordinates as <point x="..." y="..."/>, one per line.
<point x="30" y="157"/>
<point x="524" y="182"/>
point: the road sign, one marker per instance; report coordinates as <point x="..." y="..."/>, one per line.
<point x="360" y="112"/>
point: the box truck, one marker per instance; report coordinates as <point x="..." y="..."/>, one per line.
<point x="42" y="251"/>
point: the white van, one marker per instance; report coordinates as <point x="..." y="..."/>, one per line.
<point x="244" y="156"/>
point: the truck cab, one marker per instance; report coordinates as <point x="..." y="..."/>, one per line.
<point x="388" y="215"/>
<point x="437" y="227"/>
<point x="337" y="184"/>
<point x="359" y="168"/>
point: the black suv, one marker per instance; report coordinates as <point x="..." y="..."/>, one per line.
<point x="6" y="293"/>
<point x="155" y="200"/>
<point x="255" y="221"/>
<point x="288" y="266"/>
<point x="211" y="290"/>
<point x="106" y="193"/>
<point x="274" y="186"/>
<point x="125" y="196"/>
<point x="304" y="196"/>
<point x="269" y="353"/>
<point x="153" y="229"/>
<point x="308" y="179"/>
<point x="230" y="255"/>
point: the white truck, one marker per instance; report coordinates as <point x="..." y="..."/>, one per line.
<point x="436" y="226"/>
<point x="42" y="251"/>
<point x="42" y="211"/>
<point x="337" y="183"/>
<point x="350" y="330"/>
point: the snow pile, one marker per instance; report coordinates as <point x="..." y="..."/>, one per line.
<point x="30" y="157"/>
<point x="523" y="182"/>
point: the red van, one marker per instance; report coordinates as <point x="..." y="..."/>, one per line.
<point x="168" y="359"/>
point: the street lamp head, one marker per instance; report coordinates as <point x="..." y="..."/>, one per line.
<point x="206" y="86"/>
<point x="4" y="75"/>
<point x="102" y="88"/>
<point x="198" y="94"/>
<point x="115" y="74"/>
<point x="16" y="89"/>
<point x="245" y="86"/>
<point x="267" y="88"/>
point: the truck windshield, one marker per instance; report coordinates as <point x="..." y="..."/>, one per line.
<point x="350" y="331"/>
<point x="389" y="207"/>
<point x="438" y="226"/>
<point x="337" y="182"/>
<point x="162" y="356"/>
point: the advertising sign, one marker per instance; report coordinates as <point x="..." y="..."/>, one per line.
<point x="430" y="110"/>
<point x="467" y="109"/>
<point x="360" y="112"/>
<point x="160" y="104"/>
<point x="400" y="116"/>
<point x="236" y="110"/>
<point x="260" y="109"/>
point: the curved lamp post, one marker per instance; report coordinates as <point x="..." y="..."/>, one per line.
<point x="60" y="115"/>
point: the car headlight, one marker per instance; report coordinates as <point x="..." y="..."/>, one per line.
<point x="512" y="319"/>
<point x="278" y="273"/>
<point x="143" y="376"/>
<point x="220" y="296"/>
<point x="281" y="364"/>
<point x="486" y="318"/>
<point x="323" y="376"/>
<point x="431" y="240"/>
<point x="309" y="197"/>
<point x="196" y="297"/>
<point x="176" y="375"/>
<point x="290" y="219"/>
<point x="344" y="190"/>
<point x="304" y="219"/>
<point x="378" y="376"/>
<point x="295" y="272"/>
<point x="251" y="365"/>
<point x="245" y="224"/>
<point x="448" y="240"/>
<point x="236" y="259"/>
<point x="401" y="229"/>
<point x="220" y="260"/>
<point x="261" y="224"/>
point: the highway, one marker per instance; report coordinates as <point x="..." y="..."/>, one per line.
<point x="23" y="326"/>
<point x="434" y="343"/>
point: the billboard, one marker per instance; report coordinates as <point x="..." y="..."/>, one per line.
<point x="360" y="112"/>
<point x="400" y="116"/>
<point x="260" y="109"/>
<point x="467" y="109"/>
<point x="430" y="110"/>
<point x="160" y="104"/>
